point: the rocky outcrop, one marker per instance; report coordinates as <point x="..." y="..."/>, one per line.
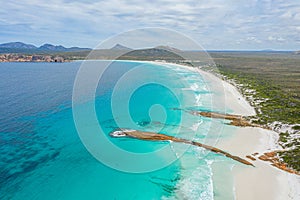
<point x="273" y="158"/>
<point x="161" y="137"/>
<point x="238" y="120"/>
<point x="250" y="157"/>
<point x="275" y="161"/>
<point x="235" y="120"/>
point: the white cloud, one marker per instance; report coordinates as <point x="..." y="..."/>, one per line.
<point x="253" y="39"/>
<point x="215" y="23"/>
<point x="277" y="39"/>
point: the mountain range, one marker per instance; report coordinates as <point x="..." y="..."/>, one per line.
<point x="20" y="47"/>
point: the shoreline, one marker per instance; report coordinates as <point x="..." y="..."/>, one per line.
<point x="264" y="181"/>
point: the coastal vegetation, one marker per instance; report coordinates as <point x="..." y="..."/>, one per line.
<point x="270" y="82"/>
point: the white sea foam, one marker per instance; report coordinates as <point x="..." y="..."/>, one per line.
<point x="121" y="133"/>
<point x="196" y="182"/>
<point x="195" y="126"/>
<point x="196" y="174"/>
<point x="198" y="100"/>
<point x="194" y="86"/>
<point x="118" y="134"/>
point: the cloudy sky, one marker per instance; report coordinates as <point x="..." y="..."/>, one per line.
<point x="215" y="24"/>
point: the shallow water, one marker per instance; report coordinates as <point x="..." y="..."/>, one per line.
<point x="42" y="156"/>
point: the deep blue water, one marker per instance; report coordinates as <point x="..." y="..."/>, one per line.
<point x="42" y="156"/>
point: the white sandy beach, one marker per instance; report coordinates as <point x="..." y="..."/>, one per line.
<point x="262" y="182"/>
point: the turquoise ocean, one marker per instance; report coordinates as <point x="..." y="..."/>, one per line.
<point x="42" y="156"/>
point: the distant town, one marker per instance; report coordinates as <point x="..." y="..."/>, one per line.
<point x="30" y="58"/>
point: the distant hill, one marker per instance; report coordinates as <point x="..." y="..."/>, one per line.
<point x="121" y="52"/>
<point x="120" y="47"/>
<point x="168" y="48"/>
<point x="50" y="47"/>
<point x="19" y="47"/>
<point x="267" y="50"/>
<point x="151" y="54"/>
